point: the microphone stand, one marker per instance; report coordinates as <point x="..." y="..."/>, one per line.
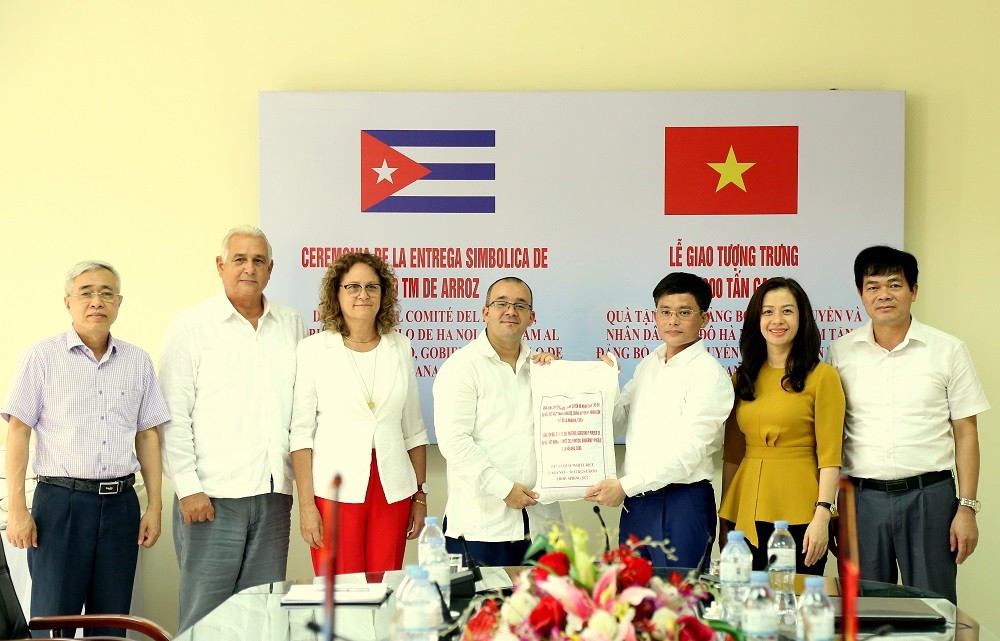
<point x="331" y="538"/>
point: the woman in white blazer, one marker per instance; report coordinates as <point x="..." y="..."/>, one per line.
<point x="356" y="411"/>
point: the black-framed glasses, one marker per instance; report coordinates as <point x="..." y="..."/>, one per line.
<point x="354" y="289"/>
<point x="502" y="305"/>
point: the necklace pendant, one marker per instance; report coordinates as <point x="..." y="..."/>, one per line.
<point x="371" y="405"/>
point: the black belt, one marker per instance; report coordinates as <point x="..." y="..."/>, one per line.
<point x="109" y="487"/>
<point x="669" y="488"/>
<point x="903" y="485"/>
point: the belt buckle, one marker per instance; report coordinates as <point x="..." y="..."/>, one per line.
<point x="108" y="487"/>
<point x="896" y="486"/>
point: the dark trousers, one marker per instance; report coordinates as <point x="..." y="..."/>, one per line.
<point x="911" y="529"/>
<point x="86" y="554"/>
<point x="683" y="515"/>
<point x="490" y="553"/>
<point x="798" y="532"/>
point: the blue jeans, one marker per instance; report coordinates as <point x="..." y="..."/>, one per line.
<point x="246" y="545"/>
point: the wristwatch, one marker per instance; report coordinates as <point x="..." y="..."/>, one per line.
<point x="829" y="506"/>
<point x="973" y="503"/>
<point x="422" y="487"/>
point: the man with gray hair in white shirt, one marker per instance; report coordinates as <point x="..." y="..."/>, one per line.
<point x="912" y="400"/>
<point x="227" y="372"/>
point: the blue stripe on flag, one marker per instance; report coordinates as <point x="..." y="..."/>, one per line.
<point x="460" y="171"/>
<point x="436" y="205"/>
<point x="435" y="137"/>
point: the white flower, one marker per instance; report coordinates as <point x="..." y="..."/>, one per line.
<point x="603" y="623"/>
<point x="503" y="633"/>
<point x="664" y="621"/>
<point x="517" y="608"/>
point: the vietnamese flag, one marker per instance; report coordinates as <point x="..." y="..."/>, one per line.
<point x="731" y="170"/>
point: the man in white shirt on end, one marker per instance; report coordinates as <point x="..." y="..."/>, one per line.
<point x="673" y="414"/>
<point x="485" y="429"/>
<point x="912" y="400"/>
<point x="227" y="372"/>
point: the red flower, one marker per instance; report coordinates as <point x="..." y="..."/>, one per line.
<point x="548" y="614"/>
<point x="635" y="571"/>
<point x="481" y="625"/>
<point x="556" y="562"/>
<point x="644" y="611"/>
<point x="690" y="628"/>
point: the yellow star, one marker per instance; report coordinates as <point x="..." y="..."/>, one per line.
<point x="731" y="171"/>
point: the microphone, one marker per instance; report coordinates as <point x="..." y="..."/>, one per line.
<point x="770" y="561"/>
<point x="604" y="526"/>
<point x="445" y="609"/>
<point x="706" y="555"/>
<point x="463" y="584"/>
<point x="331" y="539"/>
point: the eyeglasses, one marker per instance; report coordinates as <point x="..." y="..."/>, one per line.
<point x="682" y="314"/>
<point x="106" y="296"/>
<point x="354" y="289"/>
<point x="504" y="304"/>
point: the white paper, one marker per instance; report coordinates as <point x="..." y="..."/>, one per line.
<point x="574" y="403"/>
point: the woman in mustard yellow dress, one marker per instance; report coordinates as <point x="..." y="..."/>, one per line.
<point x="785" y="436"/>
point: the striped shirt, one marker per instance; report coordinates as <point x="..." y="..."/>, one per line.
<point x="85" y="413"/>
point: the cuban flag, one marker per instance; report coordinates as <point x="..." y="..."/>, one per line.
<point x="441" y="171"/>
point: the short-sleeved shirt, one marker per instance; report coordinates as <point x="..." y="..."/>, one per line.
<point x="780" y="440"/>
<point x="900" y="402"/>
<point x="85" y="412"/>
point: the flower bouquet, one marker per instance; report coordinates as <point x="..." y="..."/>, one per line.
<point x="569" y="595"/>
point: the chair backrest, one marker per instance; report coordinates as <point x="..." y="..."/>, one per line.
<point x="12" y="622"/>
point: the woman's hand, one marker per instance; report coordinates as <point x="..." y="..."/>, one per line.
<point x="418" y="512"/>
<point x="311" y="525"/>
<point x="814" y="543"/>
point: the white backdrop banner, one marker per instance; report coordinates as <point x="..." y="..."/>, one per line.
<point x="590" y="197"/>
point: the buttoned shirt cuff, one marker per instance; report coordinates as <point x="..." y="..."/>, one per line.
<point x="632" y="484"/>
<point x="187" y="484"/>
<point x="499" y="486"/>
<point x="416" y="441"/>
<point x="296" y="443"/>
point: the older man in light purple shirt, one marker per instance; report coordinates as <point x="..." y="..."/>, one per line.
<point x="89" y="398"/>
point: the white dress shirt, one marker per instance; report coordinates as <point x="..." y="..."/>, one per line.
<point x="485" y="429"/>
<point x="229" y="390"/>
<point x="900" y="403"/>
<point x="673" y="414"/>
<point x="330" y="415"/>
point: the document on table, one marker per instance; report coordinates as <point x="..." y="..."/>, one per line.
<point x="354" y="594"/>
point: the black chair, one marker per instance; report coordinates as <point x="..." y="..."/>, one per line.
<point x="14" y="626"/>
<point x="12" y="622"/>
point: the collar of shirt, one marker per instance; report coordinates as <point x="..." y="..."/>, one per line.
<point x="225" y="310"/>
<point x="683" y="357"/>
<point x="73" y="340"/>
<point x="483" y="346"/>
<point x="866" y="334"/>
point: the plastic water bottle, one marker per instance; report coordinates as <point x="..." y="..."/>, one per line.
<point x="436" y="563"/>
<point x="760" y="616"/>
<point x="781" y="557"/>
<point x="419" y="612"/>
<point x="430" y="535"/>
<point x="814" y="615"/>
<point x="734" y="576"/>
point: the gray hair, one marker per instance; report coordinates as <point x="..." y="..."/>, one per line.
<point x="243" y="230"/>
<point x="85" y="266"/>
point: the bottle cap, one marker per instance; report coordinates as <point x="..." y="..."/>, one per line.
<point x="433" y="520"/>
<point x="814" y="581"/>
<point x="759" y="578"/>
<point x="781" y="525"/>
<point x="734" y="535"/>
